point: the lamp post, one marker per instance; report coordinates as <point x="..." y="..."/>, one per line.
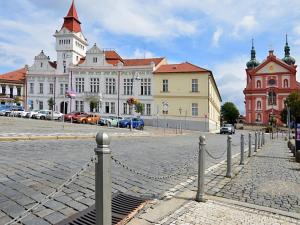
<point x="137" y="78"/>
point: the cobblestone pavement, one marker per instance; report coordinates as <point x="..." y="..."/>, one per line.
<point x="30" y="170"/>
<point x="216" y="212"/>
<point x="271" y="179"/>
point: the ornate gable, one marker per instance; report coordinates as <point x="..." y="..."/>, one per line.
<point x="272" y="67"/>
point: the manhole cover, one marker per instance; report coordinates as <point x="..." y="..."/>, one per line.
<point x="124" y="207"/>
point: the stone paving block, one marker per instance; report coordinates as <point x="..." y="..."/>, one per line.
<point x="34" y="220"/>
<point x="76" y="205"/>
<point x="44" y="212"/>
<point x="55" y="205"/>
<point x="55" y="217"/>
<point x="68" y="211"/>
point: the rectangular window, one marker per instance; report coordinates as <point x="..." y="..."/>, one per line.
<point x="125" y="108"/>
<point x="128" y="86"/>
<point x="3" y="90"/>
<point x="66" y="88"/>
<point x="41" y="105"/>
<point x="146" y="86"/>
<point x="62" y="89"/>
<point x="81" y="106"/>
<point x="18" y="91"/>
<point x="95" y="85"/>
<point x="31" y="88"/>
<point x="106" y="107"/>
<point x="76" y="106"/>
<point x="165" y="86"/>
<point x="95" y="59"/>
<point x="148" y="109"/>
<point x="79" y="83"/>
<point x="50" y="88"/>
<point x="194" y="85"/>
<point x="110" y="86"/>
<point x="194" y="109"/>
<point x="112" y="108"/>
<point x="41" y="88"/>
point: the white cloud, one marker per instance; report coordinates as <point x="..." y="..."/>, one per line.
<point x="231" y="79"/>
<point x="216" y="36"/>
<point x="140" y="54"/>
<point x="248" y="23"/>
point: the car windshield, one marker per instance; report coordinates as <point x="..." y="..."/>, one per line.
<point x="227" y="125"/>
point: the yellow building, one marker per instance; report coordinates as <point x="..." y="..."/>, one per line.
<point x="186" y="95"/>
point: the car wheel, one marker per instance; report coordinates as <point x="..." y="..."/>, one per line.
<point x="109" y="124"/>
<point x="43" y="118"/>
<point x="83" y="121"/>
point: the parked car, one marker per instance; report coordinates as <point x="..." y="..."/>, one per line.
<point x="137" y="123"/>
<point x="227" y="128"/>
<point x="91" y="119"/>
<point x="42" y="114"/>
<point x="4" y="108"/>
<point x="14" y="111"/>
<point x="23" y="114"/>
<point x="112" y="121"/>
<point x="73" y="116"/>
<point x="32" y="113"/>
<point x="102" y="121"/>
<point x="56" y="115"/>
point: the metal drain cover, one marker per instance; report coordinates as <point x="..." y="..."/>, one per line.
<point x="124" y="207"/>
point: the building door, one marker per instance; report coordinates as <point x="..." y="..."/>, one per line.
<point x="64" y="107"/>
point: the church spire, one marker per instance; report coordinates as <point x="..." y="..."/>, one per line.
<point x="287" y="57"/>
<point x="253" y="62"/>
<point x="71" y="21"/>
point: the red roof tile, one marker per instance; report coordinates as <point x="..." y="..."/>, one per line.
<point x="17" y="76"/>
<point x="71" y="21"/>
<point x="142" y="62"/>
<point x="180" y="68"/>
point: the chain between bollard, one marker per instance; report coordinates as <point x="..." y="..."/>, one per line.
<point x="185" y="166"/>
<point x="53" y="193"/>
<point x="215" y="157"/>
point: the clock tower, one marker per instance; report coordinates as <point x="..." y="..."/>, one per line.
<point x="70" y="42"/>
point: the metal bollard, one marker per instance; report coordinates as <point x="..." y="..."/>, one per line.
<point x="201" y="170"/>
<point x="259" y="140"/>
<point x="228" y="173"/>
<point x="249" y="145"/>
<point x="242" y="149"/>
<point x="103" y="186"/>
<point x="255" y="142"/>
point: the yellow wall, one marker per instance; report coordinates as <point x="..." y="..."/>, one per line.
<point x="180" y="95"/>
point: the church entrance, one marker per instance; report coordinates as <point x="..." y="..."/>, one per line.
<point x="64" y="107"/>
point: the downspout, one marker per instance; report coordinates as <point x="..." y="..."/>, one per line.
<point x="208" y="102"/>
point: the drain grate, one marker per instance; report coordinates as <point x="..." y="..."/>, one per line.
<point x="124" y="207"/>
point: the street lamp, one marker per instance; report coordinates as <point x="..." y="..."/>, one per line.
<point x="288" y="118"/>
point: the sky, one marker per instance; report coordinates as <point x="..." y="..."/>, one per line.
<point x="212" y="34"/>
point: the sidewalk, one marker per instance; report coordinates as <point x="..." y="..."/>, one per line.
<point x="266" y="190"/>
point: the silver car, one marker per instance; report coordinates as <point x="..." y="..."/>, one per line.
<point x="227" y="129"/>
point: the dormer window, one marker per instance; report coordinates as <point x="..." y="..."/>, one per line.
<point x="95" y="60"/>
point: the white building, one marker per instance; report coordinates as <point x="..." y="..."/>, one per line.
<point x="96" y="75"/>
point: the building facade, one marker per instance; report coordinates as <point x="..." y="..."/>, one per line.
<point x="13" y="87"/>
<point x="102" y="82"/>
<point x="187" y="96"/>
<point x="268" y="85"/>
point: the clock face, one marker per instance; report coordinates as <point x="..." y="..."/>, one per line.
<point x="272" y="82"/>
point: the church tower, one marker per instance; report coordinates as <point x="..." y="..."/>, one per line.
<point x="70" y="42"/>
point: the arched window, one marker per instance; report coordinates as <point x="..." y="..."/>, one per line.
<point x="285" y="83"/>
<point x="258" y="117"/>
<point x="258" y="84"/>
<point x="258" y="104"/>
<point x="272" y="97"/>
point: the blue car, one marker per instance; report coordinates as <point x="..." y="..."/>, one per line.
<point x="137" y="123"/>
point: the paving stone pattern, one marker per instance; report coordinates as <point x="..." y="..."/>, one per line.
<point x="221" y="213"/>
<point x="30" y="170"/>
<point x="271" y="179"/>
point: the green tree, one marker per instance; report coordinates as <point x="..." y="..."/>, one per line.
<point x="229" y="112"/>
<point x="139" y="107"/>
<point x="293" y="101"/>
<point x="51" y="103"/>
<point x="17" y="99"/>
